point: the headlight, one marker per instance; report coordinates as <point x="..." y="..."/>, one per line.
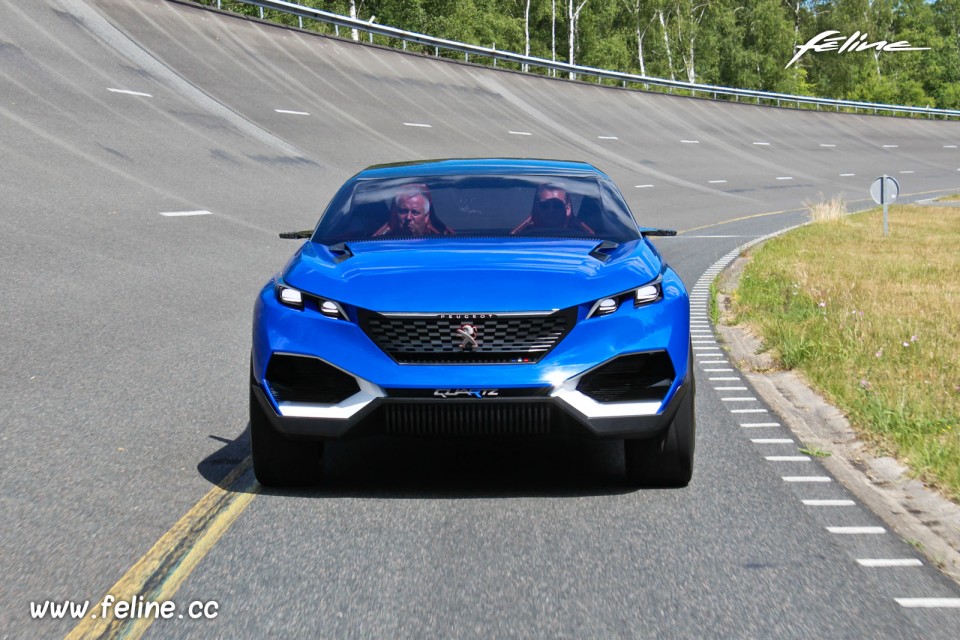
<point x="289" y="296"/>
<point x="647" y="293"/>
<point x="296" y="299"/>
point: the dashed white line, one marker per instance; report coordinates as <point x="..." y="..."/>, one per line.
<point x="829" y="503"/>
<point x="754" y="425"/>
<point x="949" y="146"/>
<point x="607" y="138"/>
<point x="784" y="177"/>
<point x="907" y="172"/>
<point x="746" y="410"/>
<point x="738" y="399"/>
<point x="856" y="531"/>
<point x="788" y="458"/>
<point x="762" y="144"/>
<point x="292" y="113"/>
<point x="690" y="141"/>
<point x="807" y="479"/>
<point x="724" y="378"/>
<point x="828" y="145"/>
<point x="417" y="124"/>
<point x="520" y="133"/>
<point x="129" y="93"/>
<point x="729" y="388"/>
<point x="717" y="370"/>
<point x="890" y="146"/>
<point x="929" y="603"/>
<point x="178" y="214"/>
<point x="714" y="362"/>
<point x="642" y="186"/>
<point x="717" y="181"/>
<point x="889" y="562"/>
<point x="847" y="175"/>
<point x="771" y="440"/>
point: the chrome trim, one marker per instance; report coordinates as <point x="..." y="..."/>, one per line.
<point x="340" y="411"/>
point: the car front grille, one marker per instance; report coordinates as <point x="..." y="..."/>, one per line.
<point x="465" y="419"/>
<point x="433" y="338"/>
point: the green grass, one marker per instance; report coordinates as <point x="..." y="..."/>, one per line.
<point x="874" y="323"/>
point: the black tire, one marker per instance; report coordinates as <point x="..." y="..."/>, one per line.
<point x="277" y="460"/>
<point x="666" y="461"/>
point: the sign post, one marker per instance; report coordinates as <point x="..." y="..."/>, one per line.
<point x="884" y="190"/>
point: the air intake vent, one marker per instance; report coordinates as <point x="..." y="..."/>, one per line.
<point x="302" y="379"/>
<point x="464" y="419"/>
<point x="638" y="377"/>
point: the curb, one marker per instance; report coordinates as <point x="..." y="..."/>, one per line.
<point x="918" y="514"/>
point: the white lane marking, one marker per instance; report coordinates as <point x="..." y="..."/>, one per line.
<point x="807" y="479"/>
<point x="747" y="410"/>
<point x="762" y="144"/>
<point x="788" y="458"/>
<point x="827" y="145"/>
<point x="785" y="178"/>
<point x="729" y="388"/>
<point x="129" y="93"/>
<point x="292" y="113"/>
<point x="520" y="133"/>
<point x="643" y="186"/>
<point x="907" y="172"/>
<point x="856" y="531"/>
<point x="706" y="348"/>
<point x="178" y="214"/>
<point x="890" y="146"/>
<point x="949" y="146"/>
<point x="889" y="562"/>
<point x="607" y="138"/>
<point x="714" y="273"/>
<point x="929" y="603"/>
<point x="717" y="370"/>
<point x="771" y="440"/>
<point x="759" y="424"/>
<point x="847" y="175"/>
<point x="704" y="342"/>
<point x="724" y="378"/>
<point x="738" y="399"/>
<point x="829" y="503"/>
<point x="925" y="200"/>
<point x="717" y="181"/>
<point x="716" y="362"/>
<point x="417" y="124"/>
<point x="690" y="141"/>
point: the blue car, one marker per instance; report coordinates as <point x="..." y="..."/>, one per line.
<point x="474" y="298"/>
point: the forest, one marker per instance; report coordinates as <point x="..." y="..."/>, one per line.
<point x="745" y="45"/>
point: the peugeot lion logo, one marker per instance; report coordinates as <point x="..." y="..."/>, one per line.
<point x="469" y="334"/>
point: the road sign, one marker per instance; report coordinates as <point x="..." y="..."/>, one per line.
<point x="884" y="190"/>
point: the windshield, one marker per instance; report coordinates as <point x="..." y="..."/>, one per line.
<point x="472" y="206"/>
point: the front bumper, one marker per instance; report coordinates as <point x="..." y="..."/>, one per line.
<point x="562" y="412"/>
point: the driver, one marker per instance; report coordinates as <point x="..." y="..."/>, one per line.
<point x="411" y="214"/>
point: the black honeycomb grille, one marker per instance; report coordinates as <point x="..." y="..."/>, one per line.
<point x="467" y="419"/>
<point x="636" y="377"/>
<point x="432" y="339"/>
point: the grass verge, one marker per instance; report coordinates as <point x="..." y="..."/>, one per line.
<point x="874" y="323"/>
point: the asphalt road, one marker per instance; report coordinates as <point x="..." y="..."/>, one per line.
<point x="124" y="336"/>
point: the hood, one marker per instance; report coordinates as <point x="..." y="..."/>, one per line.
<point x="476" y="275"/>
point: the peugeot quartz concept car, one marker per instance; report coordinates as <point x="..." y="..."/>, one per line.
<point x="480" y="297"/>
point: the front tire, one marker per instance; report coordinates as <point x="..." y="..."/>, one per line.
<point x="665" y="461"/>
<point x="277" y="460"/>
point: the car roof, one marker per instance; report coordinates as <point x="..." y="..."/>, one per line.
<point x="481" y="166"/>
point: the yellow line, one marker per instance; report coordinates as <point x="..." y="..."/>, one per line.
<point x="159" y="573"/>
<point x="777" y="213"/>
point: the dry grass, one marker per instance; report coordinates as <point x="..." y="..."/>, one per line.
<point x="874" y="322"/>
<point x="827" y="210"/>
<point x="953" y="197"/>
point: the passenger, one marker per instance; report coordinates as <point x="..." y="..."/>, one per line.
<point x="411" y="214"/>
<point x="552" y="211"/>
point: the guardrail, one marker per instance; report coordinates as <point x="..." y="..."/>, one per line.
<point x="627" y="80"/>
